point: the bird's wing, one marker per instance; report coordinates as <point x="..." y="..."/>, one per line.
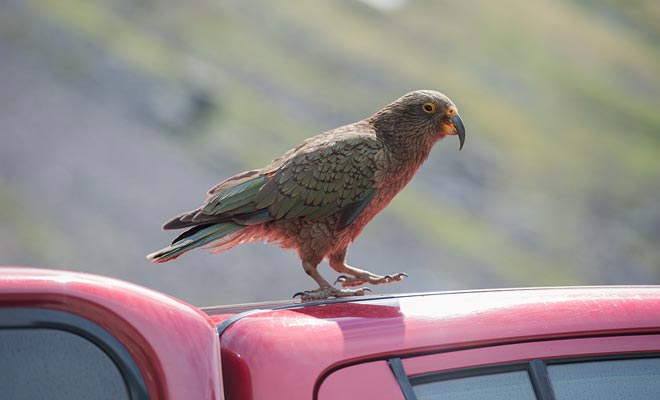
<point x="324" y="175"/>
<point x="228" y="199"/>
<point x="330" y="173"/>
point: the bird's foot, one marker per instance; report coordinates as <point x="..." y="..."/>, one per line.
<point x="323" y="293"/>
<point x="367" y="277"/>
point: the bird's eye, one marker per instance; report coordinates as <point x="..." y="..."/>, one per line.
<point x="451" y="112"/>
<point x="428" y="108"/>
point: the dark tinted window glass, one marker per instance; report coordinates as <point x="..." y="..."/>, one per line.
<point x="503" y="386"/>
<point x="54" y="364"/>
<point x="604" y="380"/>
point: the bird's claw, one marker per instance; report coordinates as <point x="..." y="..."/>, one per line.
<point x="327" y="292"/>
<point x="361" y="279"/>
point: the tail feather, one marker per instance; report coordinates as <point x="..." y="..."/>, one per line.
<point x="191" y="232"/>
<point x="230" y="241"/>
<point x="197" y="238"/>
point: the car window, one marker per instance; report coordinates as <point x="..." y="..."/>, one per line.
<point x="617" y="367"/>
<point x="513" y="385"/>
<point x="55" y="364"/>
<point x="619" y="379"/>
<point x="604" y="380"/>
<point x="50" y="354"/>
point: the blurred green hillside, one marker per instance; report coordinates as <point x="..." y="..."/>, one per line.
<point x="118" y="114"/>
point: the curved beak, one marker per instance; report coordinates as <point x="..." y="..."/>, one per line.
<point x="456" y="123"/>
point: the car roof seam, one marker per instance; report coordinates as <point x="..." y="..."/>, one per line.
<point x="224" y="325"/>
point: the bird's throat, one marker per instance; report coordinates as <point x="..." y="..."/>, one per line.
<point x="410" y="152"/>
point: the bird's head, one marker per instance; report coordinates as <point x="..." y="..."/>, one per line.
<point x="424" y="113"/>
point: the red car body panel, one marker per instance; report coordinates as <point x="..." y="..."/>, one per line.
<point x="289" y="350"/>
<point x="530" y="350"/>
<point x="157" y="330"/>
<point x="315" y="341"/>
<point x="371" y="380"/>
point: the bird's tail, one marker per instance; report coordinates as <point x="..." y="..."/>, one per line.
<point x="195" y="237"/>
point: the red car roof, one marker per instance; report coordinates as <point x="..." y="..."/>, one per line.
<point x="475" y="316"/>
<point x="311" y="340"/>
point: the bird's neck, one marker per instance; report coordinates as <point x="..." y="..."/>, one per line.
<point x="403" y="160"/>
<point x="409" y="151"/>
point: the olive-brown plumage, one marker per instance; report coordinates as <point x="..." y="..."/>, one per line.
<point x="318" y="196"/>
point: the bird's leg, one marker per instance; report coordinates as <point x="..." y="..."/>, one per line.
<point x="355" y="276"/>
<point x="325" y="289"/>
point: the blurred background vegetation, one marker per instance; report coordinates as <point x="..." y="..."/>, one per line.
<point x="117" y="114"/>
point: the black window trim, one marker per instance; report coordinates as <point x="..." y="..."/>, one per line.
<point x="538" y="375"/>
<point x="536" y="369"/>
<point x="42" y="318"/>
<point x="404" y="381"/>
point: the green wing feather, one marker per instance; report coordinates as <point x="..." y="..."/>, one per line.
<point x="353" y="210"/>
<point x="326" y="176"/>
<point x="237" y="197"/>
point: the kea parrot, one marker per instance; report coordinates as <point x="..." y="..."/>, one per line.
<point x="318" y="196"/>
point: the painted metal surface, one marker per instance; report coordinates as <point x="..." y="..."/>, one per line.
<point x="298" y="347"/>
<point x="299" y="351"/>
<point x="370" y="380"/>
<point x="548" y="350"/>
<point x="174" y="344"/>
